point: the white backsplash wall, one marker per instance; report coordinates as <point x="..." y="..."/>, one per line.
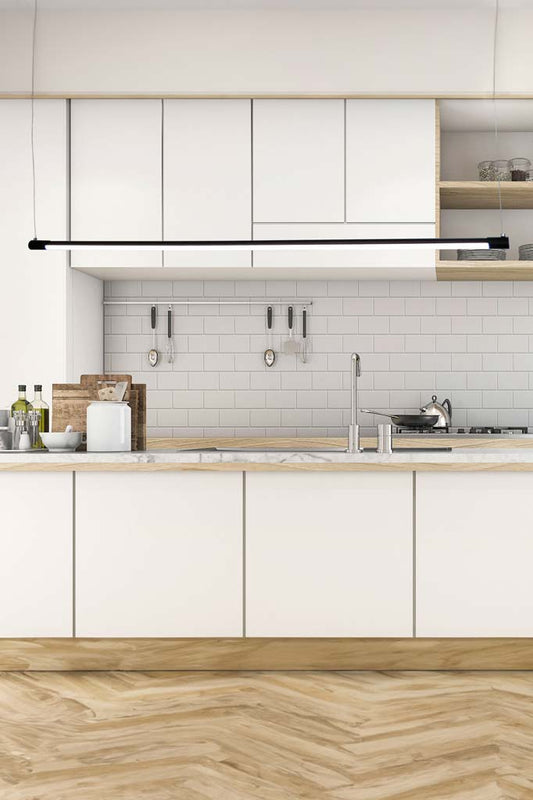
<point x="472" y="342"/>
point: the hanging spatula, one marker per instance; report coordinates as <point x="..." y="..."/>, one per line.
<point x="290" y="345"/>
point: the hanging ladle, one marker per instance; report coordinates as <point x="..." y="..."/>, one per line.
<point x="153" y="355"/>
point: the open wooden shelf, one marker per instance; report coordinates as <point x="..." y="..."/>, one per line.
<point x="484" y="270"/>
<point x="484" y="194"/>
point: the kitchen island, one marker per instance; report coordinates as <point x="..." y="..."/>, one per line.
<point x="191" y="559"/>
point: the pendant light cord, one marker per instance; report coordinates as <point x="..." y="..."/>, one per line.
<point x="494" y="109"/>
<point x="32" y="135"/>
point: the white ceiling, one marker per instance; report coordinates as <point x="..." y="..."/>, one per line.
<point x="264" y="4"/>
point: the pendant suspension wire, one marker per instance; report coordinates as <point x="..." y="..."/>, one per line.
<point x="32" y="101"/>
<point x="494" y="106"/>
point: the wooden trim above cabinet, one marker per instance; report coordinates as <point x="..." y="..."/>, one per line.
<point x="265" y="654"/>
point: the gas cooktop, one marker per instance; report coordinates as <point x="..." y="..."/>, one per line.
<point x="474" y="430"/>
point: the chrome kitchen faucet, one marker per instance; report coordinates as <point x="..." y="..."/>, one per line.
<point x="354" y="438"/>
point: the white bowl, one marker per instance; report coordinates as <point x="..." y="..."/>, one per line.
<point x="61" y="442"/>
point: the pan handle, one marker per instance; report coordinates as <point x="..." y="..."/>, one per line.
<point x="379" y="413"/>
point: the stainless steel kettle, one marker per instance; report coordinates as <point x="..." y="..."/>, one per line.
<point x="442" y="410"/>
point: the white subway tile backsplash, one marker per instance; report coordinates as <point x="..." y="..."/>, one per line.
<point x="467" y="340"/>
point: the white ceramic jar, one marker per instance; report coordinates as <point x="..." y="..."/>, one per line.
<point x="108" y="426"/>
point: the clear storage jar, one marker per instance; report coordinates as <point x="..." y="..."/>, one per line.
<point x="519" y="168"/>
<point x="529" y="176"/>
<point x="486" y="170"/>
<point x="502" y="170"/>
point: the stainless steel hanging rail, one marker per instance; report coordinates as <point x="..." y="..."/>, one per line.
<point x="265" y="302"/>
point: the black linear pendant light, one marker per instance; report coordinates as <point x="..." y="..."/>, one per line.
<point x="488" y="243"/>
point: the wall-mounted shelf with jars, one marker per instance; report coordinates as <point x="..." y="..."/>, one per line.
<point x="469" y="196"/>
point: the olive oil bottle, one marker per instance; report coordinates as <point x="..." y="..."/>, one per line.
<point x="38" y="404"/>
<point x="21" y="404"/>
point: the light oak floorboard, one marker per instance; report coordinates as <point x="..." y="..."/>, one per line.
<point x="270" y="736"/>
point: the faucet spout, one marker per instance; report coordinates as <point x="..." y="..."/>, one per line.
<point x="354" y="438"/>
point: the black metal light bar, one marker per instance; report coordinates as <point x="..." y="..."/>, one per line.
<point x="488" y="243"/>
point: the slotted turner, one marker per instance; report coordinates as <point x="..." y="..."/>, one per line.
<point x="290" y="346"/>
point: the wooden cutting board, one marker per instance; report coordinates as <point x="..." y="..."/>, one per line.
<point x="71" y="400"/>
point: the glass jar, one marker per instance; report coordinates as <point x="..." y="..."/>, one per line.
<point x="486" y="170"/>
<point x="502" y="170"/>
<point x="529" y="176"/>
<point x="519" y="168"/>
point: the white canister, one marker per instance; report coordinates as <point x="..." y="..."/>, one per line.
<point x="108" y="426"/>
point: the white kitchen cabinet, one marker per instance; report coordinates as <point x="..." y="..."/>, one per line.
<point x="386" y="264"/>
<point x="298" y="160"/>
<point x="159" y="554"/>
<point x="207" y="178"/>
<point x="116" y="178"/>
<point x="390" y="161"/>
<point x="57" y="345"/>
<point x="474" y="554"/>
<point x="36" y="554"/>
<point x="329" y="554"/>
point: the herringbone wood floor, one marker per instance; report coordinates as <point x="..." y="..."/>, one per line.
<point x="270" y="736"/>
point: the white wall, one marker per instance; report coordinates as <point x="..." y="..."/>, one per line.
<point x="267" y="51"/>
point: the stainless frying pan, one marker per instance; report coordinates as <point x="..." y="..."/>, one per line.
<point x="407" y="420"/>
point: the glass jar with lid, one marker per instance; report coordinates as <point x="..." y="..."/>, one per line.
<point x="502" y="170"/>
<point x="519" y="168"/>
<point x="486" y="170"/>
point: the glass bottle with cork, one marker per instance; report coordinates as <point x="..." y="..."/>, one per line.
<point x="38" y="404"/>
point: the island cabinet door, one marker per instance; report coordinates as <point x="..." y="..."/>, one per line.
<point x="36" y="534"/>
<point x="329" y="554"/>
<point x="474" y="554"/>
<point x="159" y="554"/>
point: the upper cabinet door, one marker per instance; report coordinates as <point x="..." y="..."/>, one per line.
<point x="298" y="154"/>
<point x="116" y="178"/>
<point x="390" y="161"/>
<point x="207" y="178"/>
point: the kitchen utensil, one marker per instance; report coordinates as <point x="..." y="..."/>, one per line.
<point x="407" y="420"/>
<point x="304" y="335"/>
<point x="153" y="355"/>
<point x="442" y="410"/>
<point x="170" y="342"/>
<point x="65" y="442"/>
<point x="269" y="356"/>
<point x="291" y="345"/>
<point x="108" y="427"/>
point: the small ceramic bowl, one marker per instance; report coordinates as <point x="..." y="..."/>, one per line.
<point x="61" y="442"/>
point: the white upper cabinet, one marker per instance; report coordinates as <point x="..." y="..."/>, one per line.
<point x="36" y="554"/>
<point x="474" y="554"/>
<point x="298" y="160"/>
<point x="207" y="178"/>
<point x="329" y="554"/>
<point x="116" y="178"/>
<point x="390" y="161"/>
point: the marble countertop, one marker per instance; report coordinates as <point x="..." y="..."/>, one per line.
<point x="458" y="459"/>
